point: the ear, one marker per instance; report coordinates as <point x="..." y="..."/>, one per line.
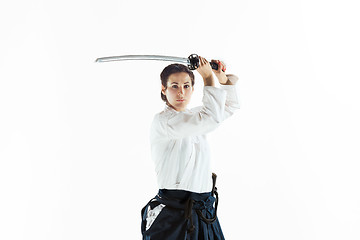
<point x="163" y="89"/>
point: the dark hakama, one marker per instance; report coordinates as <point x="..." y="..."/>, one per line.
<point x="185" y="216"/>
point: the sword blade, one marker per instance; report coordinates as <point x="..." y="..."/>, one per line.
<point x="143" y="57"/>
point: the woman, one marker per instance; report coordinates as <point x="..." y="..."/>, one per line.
<point x="184" y="206"/>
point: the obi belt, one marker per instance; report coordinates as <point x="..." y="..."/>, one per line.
<point x="181" y="215"/>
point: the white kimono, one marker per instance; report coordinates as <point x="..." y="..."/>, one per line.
<point x="178" y="140"/>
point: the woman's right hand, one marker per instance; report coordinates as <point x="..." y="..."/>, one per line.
<point x="206" y="72"/>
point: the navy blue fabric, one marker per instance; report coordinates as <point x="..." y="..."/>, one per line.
<point x="179" y="219"/>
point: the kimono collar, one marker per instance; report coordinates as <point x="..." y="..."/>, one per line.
<point x="168" y="108"/>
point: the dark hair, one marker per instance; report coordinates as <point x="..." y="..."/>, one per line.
<point x="174" y="68"/>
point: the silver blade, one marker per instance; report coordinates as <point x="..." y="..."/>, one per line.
<point x="143" y="57"/>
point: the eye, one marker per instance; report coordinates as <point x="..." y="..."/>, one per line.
<point x="174" y="86"/>
<point x="187" y="86"/>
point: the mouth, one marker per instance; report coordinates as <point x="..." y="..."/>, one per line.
<point x="180" y="100"/>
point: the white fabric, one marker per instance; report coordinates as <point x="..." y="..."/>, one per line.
<point x="152" y="215"/>
<point x="178" y="140"/>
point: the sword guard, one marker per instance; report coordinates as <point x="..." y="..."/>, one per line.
<point x="193" y="61"/>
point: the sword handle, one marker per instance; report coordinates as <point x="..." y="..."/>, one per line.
<point x="214" y="66"/>
<point x="193" y="63"/>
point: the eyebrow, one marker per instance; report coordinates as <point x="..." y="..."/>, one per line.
<point x="177" y="83"/>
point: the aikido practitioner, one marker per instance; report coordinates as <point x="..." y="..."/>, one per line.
<point x="184" y="206"/>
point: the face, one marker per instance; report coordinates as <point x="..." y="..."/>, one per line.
<point x="179" y="90"/>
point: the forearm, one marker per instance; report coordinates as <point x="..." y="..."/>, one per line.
<point x="228" y="82"/>
<point x="209" y="81"/>
<point x="229" y="79"/>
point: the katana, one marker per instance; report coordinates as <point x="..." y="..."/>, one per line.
<point x="192" y="61"/>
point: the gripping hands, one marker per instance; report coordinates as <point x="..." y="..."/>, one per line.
<point x="206" y="71"/>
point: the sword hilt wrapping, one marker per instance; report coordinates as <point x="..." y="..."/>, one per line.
<point x="193" y="63"/>
<point x="214" y="66"/>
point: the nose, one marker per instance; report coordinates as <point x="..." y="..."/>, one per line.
<point x="181" y="91"/>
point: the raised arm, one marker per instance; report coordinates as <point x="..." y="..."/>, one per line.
<point x="227" y="82"/>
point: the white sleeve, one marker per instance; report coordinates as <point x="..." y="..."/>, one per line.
<point x="209" y="116"/>
<point x="232" y="101"/>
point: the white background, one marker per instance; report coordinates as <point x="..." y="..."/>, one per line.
<point x="74" y="135"/>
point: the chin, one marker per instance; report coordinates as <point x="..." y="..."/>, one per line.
<point x="179" y="107"/>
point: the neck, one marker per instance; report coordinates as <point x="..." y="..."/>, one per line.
<point x="169" y="105"/>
